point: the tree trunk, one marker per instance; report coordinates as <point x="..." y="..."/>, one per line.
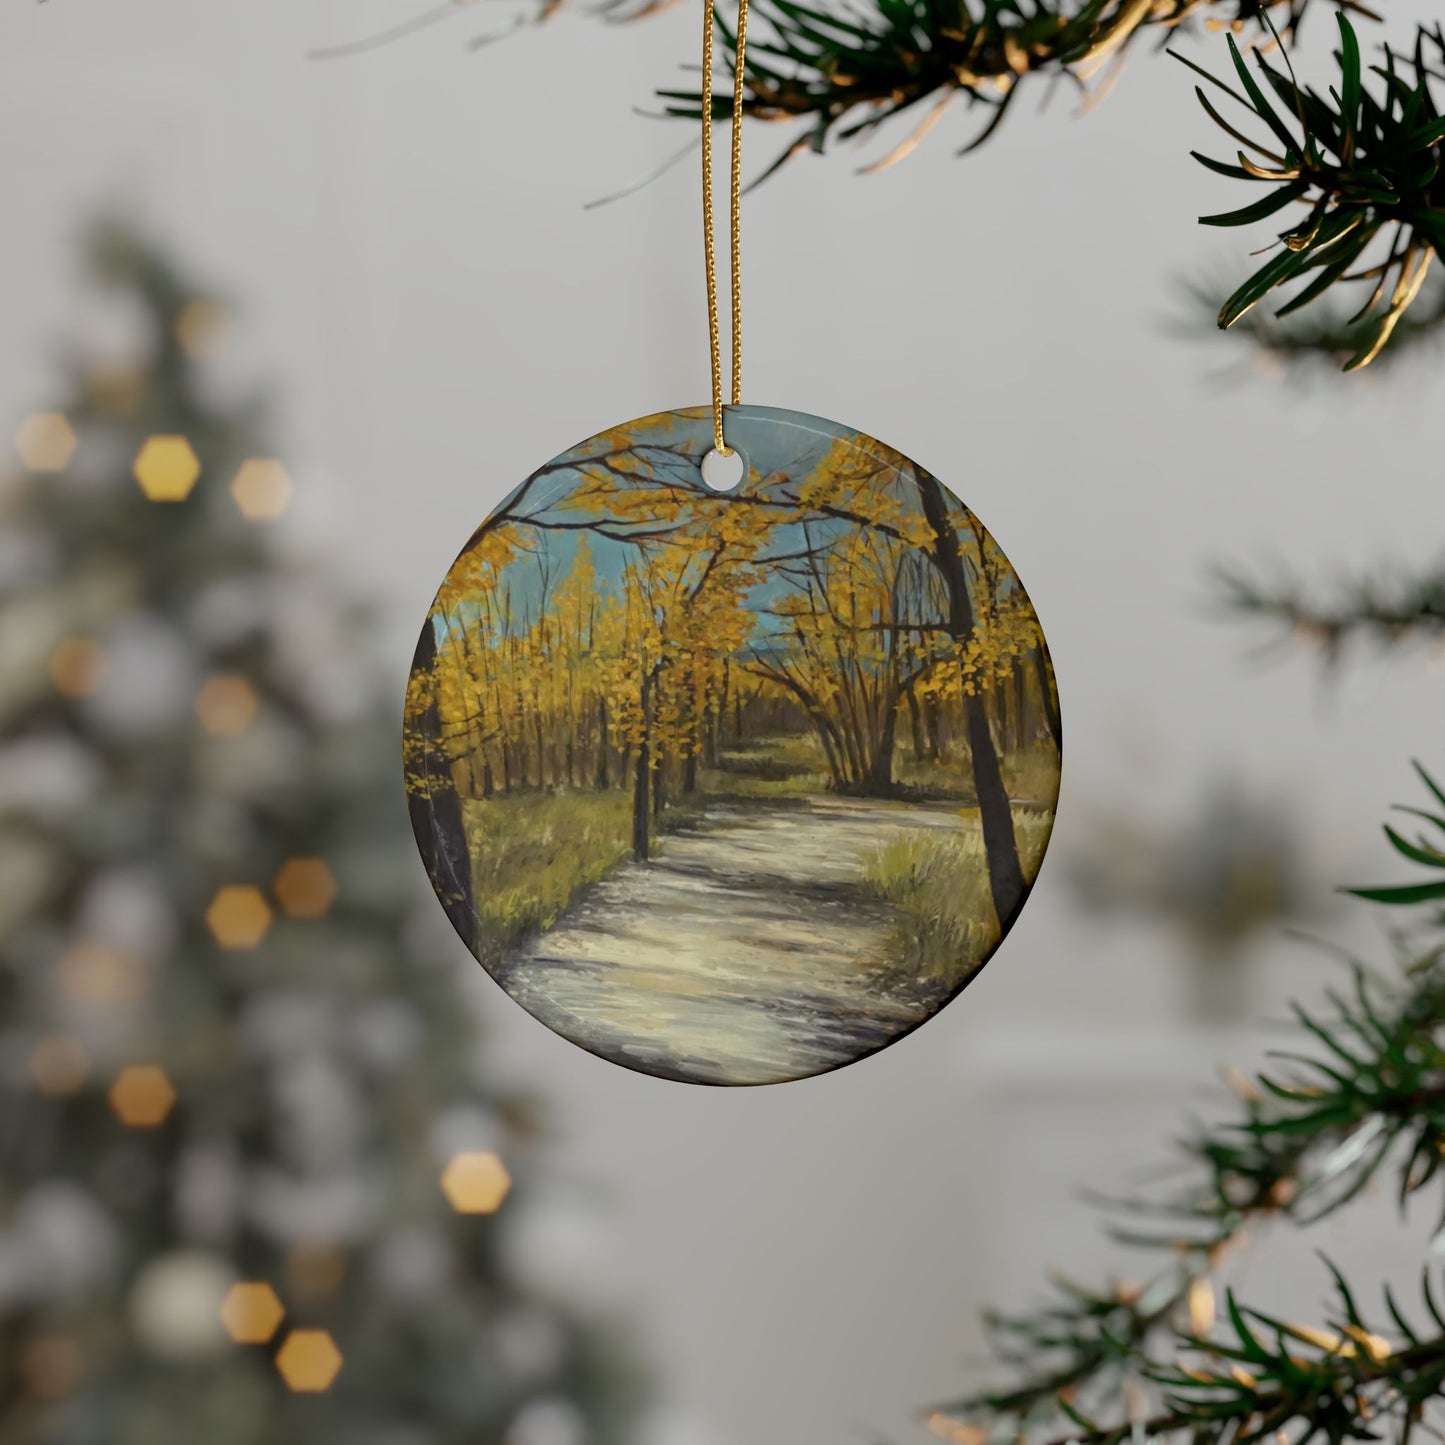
<point x="719" y="717"/>
<point x="712" y="755"/>
<point x="1046" y="695"/>
<point x="850" y="747"/>
<point x="915" y="725"/>
<point x="1021" y="707"/>
<point x="603" y="781"/>
<point x="435" y="809"/>
<point x="932" y="715"/>
<point x="1005" y="875"/>
<point x="880" y="769"/>
<point x="641" y="781"/>
<point x="830" y="751"/>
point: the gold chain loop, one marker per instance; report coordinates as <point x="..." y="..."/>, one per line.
<point x="735" y="219"/>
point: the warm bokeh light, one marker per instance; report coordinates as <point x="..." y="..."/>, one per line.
<point x="58" y="1065"/>
<point x="142" y="1096"/>
<point x="476" y="1182"/>
<point x="262" y="489"/>
<point x="239" y="916"/>
<point x="46" y="442"/>
<point x="94" y="973"/>
<point x="202" y="329"/>
<point x="166" y="468"/>
<point x="305" y="888"/>
<point x="77" y="666"/>
<point x="956" y="1432"/>
<point x="251" y="1312"/>
<point x="1201" y="1306"/>
<point x="308" y="1361"/>
<point x="226" y="705"/>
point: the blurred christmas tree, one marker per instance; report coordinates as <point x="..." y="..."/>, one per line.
<point x="255" y="1187"/>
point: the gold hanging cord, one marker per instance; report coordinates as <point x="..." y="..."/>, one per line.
<point x="735" y="216"/>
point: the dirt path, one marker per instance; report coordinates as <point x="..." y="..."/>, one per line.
<point x="739" y="955"/>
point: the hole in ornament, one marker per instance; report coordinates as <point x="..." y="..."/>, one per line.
<point x="723" y="473"/>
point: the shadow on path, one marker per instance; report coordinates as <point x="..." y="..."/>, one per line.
<point x="744" y="954"/>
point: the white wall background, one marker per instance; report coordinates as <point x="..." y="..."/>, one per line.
<point x="440" y="315"/>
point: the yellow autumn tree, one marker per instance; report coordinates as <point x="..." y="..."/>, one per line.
<point x="599" y="626"/>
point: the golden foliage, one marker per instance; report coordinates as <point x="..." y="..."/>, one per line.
<point x="598" y="626"/>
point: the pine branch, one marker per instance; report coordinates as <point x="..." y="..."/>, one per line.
<point x="1422" y="849"/>
<point x="1364" y="1092"/>
<point x="841" y="72"/>
<point x="1345" y="1383"/>
<point x="1365" y="163"/>
<point x="1322" y="339"/>
<point x="1390" y="611"/>
<point x="1166" y="1371"/>
<point x="1362" y="159"/>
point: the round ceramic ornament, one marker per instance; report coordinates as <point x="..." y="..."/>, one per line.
<point x="732" y="787"/>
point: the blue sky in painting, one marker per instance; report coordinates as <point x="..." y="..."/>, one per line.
<point x="778" y="446"/>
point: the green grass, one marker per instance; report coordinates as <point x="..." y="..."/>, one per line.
<point x="793" y="766"/>
<point x="771" y="767"/>
<point x="946" y="926"/>
<point x="532" y="853"/>
<point x="1031" y="777"/>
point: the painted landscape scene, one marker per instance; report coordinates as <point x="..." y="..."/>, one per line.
<point x="739" y="787"/>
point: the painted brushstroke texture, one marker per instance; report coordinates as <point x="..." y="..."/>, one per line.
<point x="732" y="788"/>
